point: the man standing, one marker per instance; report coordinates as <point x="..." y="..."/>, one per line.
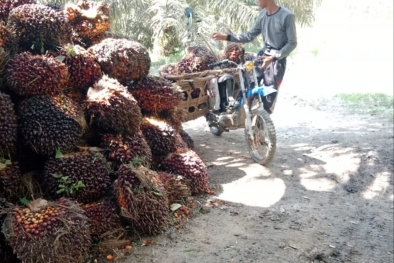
<point x="277" y="26"/>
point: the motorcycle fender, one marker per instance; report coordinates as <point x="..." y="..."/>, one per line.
<point x="214" y="96"/>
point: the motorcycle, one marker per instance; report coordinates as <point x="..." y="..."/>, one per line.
<point x="238" y="104"/>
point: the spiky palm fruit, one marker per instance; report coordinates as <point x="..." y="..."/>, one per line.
<point x="159" y="136"/>
<point x="7" y="5"/>
<point x="82" y="176"/>
<point x="38" y="27"/>
<point x="6" y="47"/>
<point x="29" y="74"/>
<point x="174" y="117"/>
<point x="176" y="187"/>
<point x="112" y="107"/>
<point x="10" y="180"/>
<point x="142" y="198"/>
<point x="123" y="149"/>
<point x="8" y="125"/>
<point x="103" y="216"/>
<point x="155" y="94"/>
<point x="48" y="232"/>
<point x="196" y="59"/>
<point x="187" y="139"/>
<point x="122" y="59"/>
<point x="234" y="52"/>
<point x="50" y="123"/>
<point x="89" y="19"/>
<point x="170" y="69"/>
<point x="190" y="166"/>
<point x="82" y="66"/>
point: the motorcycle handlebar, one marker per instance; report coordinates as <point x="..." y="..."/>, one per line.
<point x="217" y="64"/>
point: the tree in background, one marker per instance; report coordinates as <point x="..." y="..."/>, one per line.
<point x="161" y="23"/>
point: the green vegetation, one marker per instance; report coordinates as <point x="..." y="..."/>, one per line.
<point x="368" y="103"/>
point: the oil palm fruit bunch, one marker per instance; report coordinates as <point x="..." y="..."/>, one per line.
<point x="82" y="66"/>
<point x="160" y="137"/>
<point x="155" y="94"/>
<point x="122" y="59"/>
<point x="112" y="107"/>
<point x="48" y="232"/>
<point x="189" y="165"/>
<point x="49" y="123"/>
<point x="82" y="176"/>
<point x="142" y="198"/>
<point x="123" y="149"/>
<point x="28" y="160"/>
<point x="174" y="117"/>
<point x="6" y="46"/>
<point x="170" y="69"/>
<point x="10" y="180"/>
<point x="187" y="139"/>
<point x="38" y="27"/>
<point x="7" y="5"/>
<point x="103" y="216"/>
<point x="196" y="59"/>
<point x="8" y="125"/>
<point x="176" y="187"/>
<point x="89" y="19"/>
<point x="29" y="74"/>
<point x="234" y="52"/>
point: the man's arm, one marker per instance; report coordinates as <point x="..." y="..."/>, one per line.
<point x="291" y="38"/>
<point x="249" y="36"/>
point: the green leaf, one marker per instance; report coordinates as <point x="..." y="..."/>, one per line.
<point x="24" y="201"/>
<point x="60" y="191"/>
<point x="62" y="186"/>
<point x="71" y="191"/>
<point x="157" y="193"/>
<point x="60" y="58"/>
<point x="58" y="154"/>
<point x="57" y="176"/>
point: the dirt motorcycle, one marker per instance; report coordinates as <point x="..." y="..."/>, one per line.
<point x="238" y="104"/>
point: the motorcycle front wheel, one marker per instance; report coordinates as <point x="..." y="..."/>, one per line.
<point x="263" y="146"/>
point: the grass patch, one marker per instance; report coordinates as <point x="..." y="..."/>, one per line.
<point x="368" y="103"/>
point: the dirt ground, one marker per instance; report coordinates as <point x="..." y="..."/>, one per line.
<point x="326" y="197"/>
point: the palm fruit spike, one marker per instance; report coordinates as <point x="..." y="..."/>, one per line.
<point x="159" y="136"/>
<point x="155" y="94"/>
<point x="234" y="52"/>
<point x="29" y="74"/>
<point x="187" y="139"/>
<point x="112" y="107"/>
<point x="8" y="126"/>
<point x="39" y="27"/>
<point x="6" y="47"/>
<point x="196" y="59"/>
<point x="123" y="59"/>
<point x="190" y="166"/>
<point x="142" y="198"/>
<point x="52" y="123"/>
<point x="123" y="149"/>
<point x="102" y="217"/>
<point x="48" y="232"/>
<point x="82" y="176"/>
<point x="10" y="180"/>
<point x="82" y="66"/>
<point x="176" y="187"/>
<point x="89" y="19"/>
<point x="7" y="5"/>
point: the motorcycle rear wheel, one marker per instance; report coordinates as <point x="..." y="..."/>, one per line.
<point x="216" y="130"/>
<point x="263" y="147"/>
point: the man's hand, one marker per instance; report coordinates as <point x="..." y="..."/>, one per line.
<point x="218" y="36"/>
<point x="267" y="60"/>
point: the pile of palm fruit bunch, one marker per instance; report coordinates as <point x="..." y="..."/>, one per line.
<point x="92" y="149"/>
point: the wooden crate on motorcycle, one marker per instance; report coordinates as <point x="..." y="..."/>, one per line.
<point x="194" y="87"/>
